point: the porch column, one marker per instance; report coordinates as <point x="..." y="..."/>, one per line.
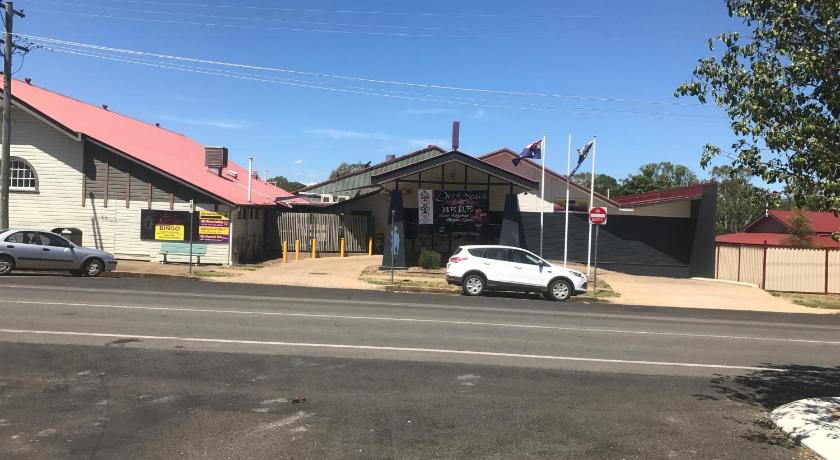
<point x="395" y="234"/>
<point x="511" y="222"/>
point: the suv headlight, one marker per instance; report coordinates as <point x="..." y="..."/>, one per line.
<point x="577" y="274"/>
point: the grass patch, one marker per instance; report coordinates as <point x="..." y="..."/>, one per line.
<point x="212" y="274"/>
<point x="401" y="281"/>
<point x="604" y="291"/>
<point x="826" y="301"/>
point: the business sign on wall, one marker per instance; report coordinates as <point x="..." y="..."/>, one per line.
<point x="209" y="226"/>
<point x="213" y="227"/>
<point x="460" y="207"/>
<point x="163" y="225"/>
<point x="425" y="207"/>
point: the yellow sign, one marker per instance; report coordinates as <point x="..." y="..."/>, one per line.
<point x="212" y="215"/>
<point x="169" y="232"/>
<point x="213" y="230"/>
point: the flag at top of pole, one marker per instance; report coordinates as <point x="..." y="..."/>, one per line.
<point x="532" y="150"/>
<point x="583" y="152"/>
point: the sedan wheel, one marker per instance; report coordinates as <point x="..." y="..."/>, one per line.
<point x="93" y="268"/>
<point x="473" y="285"/>
<point x="6" y="265"/>
<point x="560" y="290"/>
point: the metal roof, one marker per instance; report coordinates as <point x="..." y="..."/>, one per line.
<point x="359" y="182"/>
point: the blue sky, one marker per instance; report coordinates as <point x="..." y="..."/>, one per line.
<point x="611" y="68"/>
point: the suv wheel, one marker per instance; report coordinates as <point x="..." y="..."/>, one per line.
<point x="92" y="268"/>
<point x="6" y="265"/>
<point x="473" y="285"/>
<point x="559" y="290"/>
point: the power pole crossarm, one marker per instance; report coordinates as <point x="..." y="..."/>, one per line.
<point x="5" y="160"/>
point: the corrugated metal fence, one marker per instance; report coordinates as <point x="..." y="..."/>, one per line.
<point x="326" y="229"/>
<point x="776" y="268"/>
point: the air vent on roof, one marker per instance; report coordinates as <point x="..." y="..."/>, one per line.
<point x="216" y="158"/>
<point x="28" y="80"/>
<point x="233" y="174"/>
<point x="390" y="157"/>
<point x="105" y="106"/>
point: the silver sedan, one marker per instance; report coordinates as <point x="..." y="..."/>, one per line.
<point x="37" y="250"/>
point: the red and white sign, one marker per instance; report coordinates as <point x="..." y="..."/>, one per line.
<point x="598" y="216"/>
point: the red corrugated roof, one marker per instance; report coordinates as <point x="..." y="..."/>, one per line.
<point x="821" y="222"/>
<point x="164" y="150"/>
<point x="660" y="196"/>
<point x="772" y="239"/>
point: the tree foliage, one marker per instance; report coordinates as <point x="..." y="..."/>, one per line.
<point x="346" y="168"/>
<point x="656" y="176"/>
<point x="800" y="233"/>
<point x="738" y="201"/>
<point x="603" y="182"/>
<point x="780" y="86"/>
<point x="286" y="184"/>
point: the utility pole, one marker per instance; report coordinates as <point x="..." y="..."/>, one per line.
<point x="5" y="159"/>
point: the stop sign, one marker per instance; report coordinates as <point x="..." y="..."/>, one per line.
<point x="598" y="216"/>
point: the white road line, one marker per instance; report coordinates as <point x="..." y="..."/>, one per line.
<point x="418" y="320"/>
<point x="381" y="348"/>
<point x="378" y="303"/>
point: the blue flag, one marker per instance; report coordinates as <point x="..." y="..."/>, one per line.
<point x="532" y="150"/>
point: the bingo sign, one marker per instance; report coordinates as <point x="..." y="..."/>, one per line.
<point x="163" y="225"/>
<point x="460" y="207"/>
<point x="598" y="216"/>
<point x="213" y="227"/>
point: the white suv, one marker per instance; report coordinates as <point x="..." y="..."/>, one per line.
<point x="506" y="268"/>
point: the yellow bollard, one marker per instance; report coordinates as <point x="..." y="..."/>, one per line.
<point x="285" y="252"/>
<point x="297" y="249"/>
<point x="314" y="246"/>
<point x="342" y="247"/>
<point x="370" y="246"/>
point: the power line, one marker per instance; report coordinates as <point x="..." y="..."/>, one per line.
<point x="235" y="18"/>
<point x="351" y="78"/>
<point x="307" y="10"/>
<point x="193" y="69"/>
<point x="285" y="29"/>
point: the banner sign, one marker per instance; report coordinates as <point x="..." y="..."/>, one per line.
<point x="164" y="225"/>
<point x="213" y="227"/>
<point x="208" y="226"/>
<point x="425" y="207"/>
<point x="460" y="207"/>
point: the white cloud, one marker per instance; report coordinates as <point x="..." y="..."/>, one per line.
<point x="223" y="124"/>
<point x="479" y="114"/>
<point x="297" y="162"/>
<point x="348" y="134"/>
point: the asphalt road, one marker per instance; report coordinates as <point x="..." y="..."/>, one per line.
<point x="133" y="368"/>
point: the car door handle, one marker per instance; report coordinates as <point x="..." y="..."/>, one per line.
<point x="518" y="268"/>
<point x="486" y="263"/>
<point x="45" y="249"/>
<point x="10" y="247"/>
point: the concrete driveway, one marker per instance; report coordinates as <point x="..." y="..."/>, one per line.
<point x="327" y="272"/>
<point x="694" y="293"/>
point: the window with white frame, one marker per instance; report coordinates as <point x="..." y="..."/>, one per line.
<point x="22" y="177"/>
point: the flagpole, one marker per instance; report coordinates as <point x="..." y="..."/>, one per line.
<point x="591" y="204"/>
<point x="568" y="170"/>
<point x="544" y="153"/>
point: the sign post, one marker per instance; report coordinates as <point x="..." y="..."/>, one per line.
<point x="192" y="215"/>
<point x="394" y="243"/>
<point x="597" y="217"/>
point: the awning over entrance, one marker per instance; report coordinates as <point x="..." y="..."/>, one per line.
<point x="447" y="201"/>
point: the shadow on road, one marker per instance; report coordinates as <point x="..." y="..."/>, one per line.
<point x="769" y="389"/>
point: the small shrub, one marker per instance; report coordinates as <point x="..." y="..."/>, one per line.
<point x="429" y="259"/>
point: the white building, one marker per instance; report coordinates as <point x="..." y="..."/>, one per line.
<point x="124" y="186"/>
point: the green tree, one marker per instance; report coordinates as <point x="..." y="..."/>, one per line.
<point x="800" y="233"/>
<point x="738" y="201"/>
<point x="779" y="85"/>
<point x="656" y="176"/>
<point x="603" y="182"/>
<point x="286" y="184"/>
<point x="346" y="168"/>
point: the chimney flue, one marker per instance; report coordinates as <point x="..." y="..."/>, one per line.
<point x="456" y="135"/>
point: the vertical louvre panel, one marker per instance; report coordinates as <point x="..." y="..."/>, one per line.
<point x="752" y="261"/>
<point x="834" y="271"/>
<point x="728" y="263"/>
<point x="326" y="229"/>
<point x="117" y="186"/>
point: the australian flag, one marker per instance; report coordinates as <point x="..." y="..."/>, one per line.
<point x="532" y="150"/>
<point x="582" y="154"/>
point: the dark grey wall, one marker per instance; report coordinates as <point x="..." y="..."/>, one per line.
<point x="703" y="214"/>
<point x="659" y="246"/>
